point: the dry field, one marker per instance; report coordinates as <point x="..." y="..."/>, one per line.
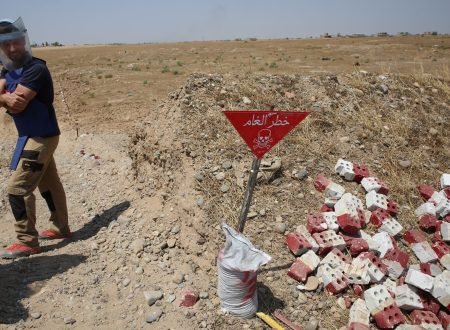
<point x="146" y="211"/>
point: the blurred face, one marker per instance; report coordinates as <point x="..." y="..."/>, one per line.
<point x="14" y="49"/>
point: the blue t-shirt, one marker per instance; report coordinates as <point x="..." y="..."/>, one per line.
<point x="35" y="76"/>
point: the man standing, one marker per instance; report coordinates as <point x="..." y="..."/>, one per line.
<point x="26" y="91"/>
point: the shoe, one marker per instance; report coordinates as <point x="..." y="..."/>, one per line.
<point x="48" y="234"/>
<point x="18" y="250"/>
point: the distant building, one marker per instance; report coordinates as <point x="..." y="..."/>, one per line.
<point x="326" y="35"/>
<point x="382" y="34"/>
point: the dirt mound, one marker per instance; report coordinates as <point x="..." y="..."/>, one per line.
<point x="396" y="125"/>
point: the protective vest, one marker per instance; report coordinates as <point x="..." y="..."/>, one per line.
<point x="38" y="119"/>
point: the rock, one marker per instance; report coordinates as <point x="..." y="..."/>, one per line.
<point x="227" y="165"/>
<point x="139" y="270"/>
<point x="138" y="245"/>
<point x="280" y="228"/>
<point x="69" y="320"/>
<point x="224" y="188"/>
<point x="152" y="296"/>
<point x="252" y="214"/>
<point x="246" y="100"/>
<point x="405" y="163"/>
<point x="300" y="174"/>
<point x="171" y="298"/>
<point x="220" y="176"/>
<point x="311" y="283"/>
<point x="178" y="278"/>
<point x="341" y="303"/>
<point x="204" y="295"/>
<point x="312" y="324"/>
<point x="289" y="95"/>
<point x="126" y="282"/>
<point x="171" y="242"/>
<point x="433" y="131"/>
<point x="302" y="298"/>
<point x="384" y="89"/>
<point x="344" y="139"/>
<point x="200" y="201"/>
<point x="199" y="177"/>
<point x="154" y="315"/>
<point x="35" y="315"/>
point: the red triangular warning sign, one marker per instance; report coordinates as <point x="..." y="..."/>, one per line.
<point x="262" y="130"/>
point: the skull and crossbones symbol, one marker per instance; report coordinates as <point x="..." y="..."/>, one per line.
<point x="264" y="139"/>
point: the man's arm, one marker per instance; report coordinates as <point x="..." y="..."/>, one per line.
<point x="18" y="100"/>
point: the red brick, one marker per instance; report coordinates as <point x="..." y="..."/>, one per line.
<point x="440" y="248"/>
<point x="361" y="171"/>
<point x="297" y="243"/>
<point x="414" y="236"/>
<point x="358" y="246"/>
<point x="447" y="192"/>
<point x="429" y="302"/>
<point x="398" y="255"/>
<point x="424" y="317"/>
<point x="445" y="319"/>
<point x="358" y="290"/>
<point x="316" y="223"/>
<point x="321" y="182"/>
<point x="188" y="298"/>
<point x="425" y="191"/>
<point x="325" y="244"/>
<point x="349" y="224"/>
<point x="326" y="208"/>
<point x="338" y="285"/>
<point x="389" y="317"/>
<point x="299" y="271"/>
<point x="358" y="326"/>
<point x="378" y="216"/>
<point x="341" y="255"/>
<point x="425" y="268"/>
<point x="428" y="222"/>
<point x="392" y="207"/>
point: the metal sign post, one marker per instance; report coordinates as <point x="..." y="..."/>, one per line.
<point x="261" y="130"/>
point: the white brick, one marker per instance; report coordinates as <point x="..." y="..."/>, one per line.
<point x="391" y="226"/>
<point x="419" y="280"/>
<point x="334" y="190"/>
<point x="384" y="241"/>
<point x="377" y="298"/>
<point x="357" y="272"/>
<point x="331" y="201"/>
<point x="375" y="201"/>
<point x="445" y="261"/>
<point x="329" y="274"/>
<point x="333" y="260"/>
<point x="425" y="208"/>
<point x="345" y="169"/>
<point x="424" y="252"/>
<point x="375" y="274"/>
<point x="373" y="244"/>
<point x="370" y="184"/>
<point x="445" y="231"/>
<point x="330" y="237"/>
<point x="441" y="288"/>
<point x="331" y="220"/>
<point x="437" y="197"/>
<point x="445" y="180"/>
<point x="348" y="204"/>
<point x="301" y="229"/>
<point x="409" y="327"/>
<point x="391" y="285"/>
<point x="407" y="298"/>
<point x="310" y="259"/>
<point x="443" y="208"/>
<point x="395" y="269"/>
<point x="359" y="313"/>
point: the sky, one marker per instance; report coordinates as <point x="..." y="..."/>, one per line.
<point x="138" y="21"/>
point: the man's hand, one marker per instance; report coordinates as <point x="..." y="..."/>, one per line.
<point x="14" y="102"/>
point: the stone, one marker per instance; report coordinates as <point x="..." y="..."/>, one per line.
<point x="69" y="320"/>
<point x="204" y="295"/>
<point x="126" y="282"/>
<point x="154" y="315"/>
<point x="246" y="100"/>
<point x="152" y="296"/>
<point x="138" y="245"/>
<point x="178" y="278"/>
<point x="312" y="283"/>
<point x="220" y="176"/>
<point x="171" y="242"/>
<point x="405" y="163"/>
<point x="302" y="298"/>
<point x="224" y="188"/>
<point x="312" y="324"/>
<point x="280" y="228"/>
<point x="35" y="315"/>
<point x="200" y="201"/>
<point x="226" y="165"/>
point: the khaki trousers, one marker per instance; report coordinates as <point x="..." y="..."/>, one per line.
<point x="37" y="169"/>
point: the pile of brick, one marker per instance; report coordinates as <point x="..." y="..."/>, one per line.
<point x="351" y="244"/>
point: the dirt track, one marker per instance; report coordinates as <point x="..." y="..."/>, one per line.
<point x="135" y="207"/>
